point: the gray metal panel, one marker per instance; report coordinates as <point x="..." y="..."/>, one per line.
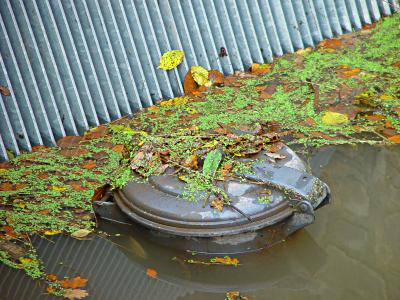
<point x="74" y="64"/>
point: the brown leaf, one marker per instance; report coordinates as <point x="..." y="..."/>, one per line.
<point x="217" y="204"/>
<point x="73" y="283"/>
<point x="151" y="273"/>
<point x="189" y="85"/>
<point x="4" y="91"/>
<point x="376" y="118"/>
<point x="68" y="153"/>
<point x="226" y="260"/>
<point x="118" y="148"/>
<point x="96" y="132"/>
<point x="100" y="192"/>
<point x="395" y="139"/>
<point x="191" y="162"/>
<point x="216" y="77"/>
<point x="68" y="142"/>
<point x="161" y="169"/>
<point x="89" y="164"/>
<point x="275" y="155"/>
<point x="330" y="43"/>
<point x="75" y="294"/>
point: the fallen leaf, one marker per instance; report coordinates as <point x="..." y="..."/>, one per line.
<point x="260" y="69"/>
<point x="234" y="295"/>
<point x="189" y="85"/>
<point x="376" y="118"/>
<point x="118" y="148"/>
<point x="52" y="232"/>
<point x="175" y="101"/>
<point x="334" y="118"/>
<point x="304" y="51"/>
<point x="330" y="43"/>
<point x="211" y="163"/>
<point x="58" y="188"/>
<point x="171" y="59"/>
<point x="73" y="283"/>
<point x="89" y="164"/>
<point x="275" y="155"/>
<point x="4" y="91"/>
<point x="217" y="204"/>
<point x="395" y="139"/>
<point x="81" y="233"/>
<point x="51" y="277"/>
<point x="75" y="294"/>
<point x="191" y="162"/>
<point x="226" y="260"/>
<point x="200" y="75"/>
<point x="151" y="273"/>
<point x="216" y="77"/>
<point x="386" y="97"/>
<point x="350" y="73"/>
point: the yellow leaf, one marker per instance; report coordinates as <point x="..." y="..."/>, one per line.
<point x="58" y="188"/>
<point x="24" y="260"/>
<point x="81" y="233"/>
<point x="175" y="101"/>
<point x="385" y="97"/>
<point x="171" y="59"/>
<point x="140" y="144"/>
<point x="210" y="144"/>
<point x="183" y="178"/>
<point x="334" y="118"/>
<point x="200" y="75"/>
<point x="52" y="232"/>
<point x="304" y="51"/>
<point x="191" y="110"/>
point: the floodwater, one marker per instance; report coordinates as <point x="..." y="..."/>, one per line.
<point x="352" y="251"/>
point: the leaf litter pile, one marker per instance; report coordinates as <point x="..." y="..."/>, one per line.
<point x="346" y="91"/>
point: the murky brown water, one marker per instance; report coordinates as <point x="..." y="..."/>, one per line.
<point x="352" y="251"/>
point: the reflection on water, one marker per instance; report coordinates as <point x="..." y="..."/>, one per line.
<point x="351" y="252"/>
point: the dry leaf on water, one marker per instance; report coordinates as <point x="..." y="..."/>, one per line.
<point x="171" y="59"/>
<point x="81" y="233"/>
<point x="75" y="294"/>
<point x="226" y="260"/>
<point x="151" y="273"/>
<point x="73" y="283"/>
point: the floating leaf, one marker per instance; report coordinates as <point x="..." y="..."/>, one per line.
<point x="200" y="75"/>
<point x="226" y="260"/>
<point x="73" y="283"/>
<point x="81" y="233"/>
<point x="75" y="294"/>
<point x="211" y="163"/>
<point x="334" y="118"/>
<point x="170" y="59"/>
<point x="151" y="273"/>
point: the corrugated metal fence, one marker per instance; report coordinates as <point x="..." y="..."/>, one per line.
<point x="73" y="64"/>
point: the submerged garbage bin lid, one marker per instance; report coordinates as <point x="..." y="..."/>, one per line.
<point x="158" y="203"/>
